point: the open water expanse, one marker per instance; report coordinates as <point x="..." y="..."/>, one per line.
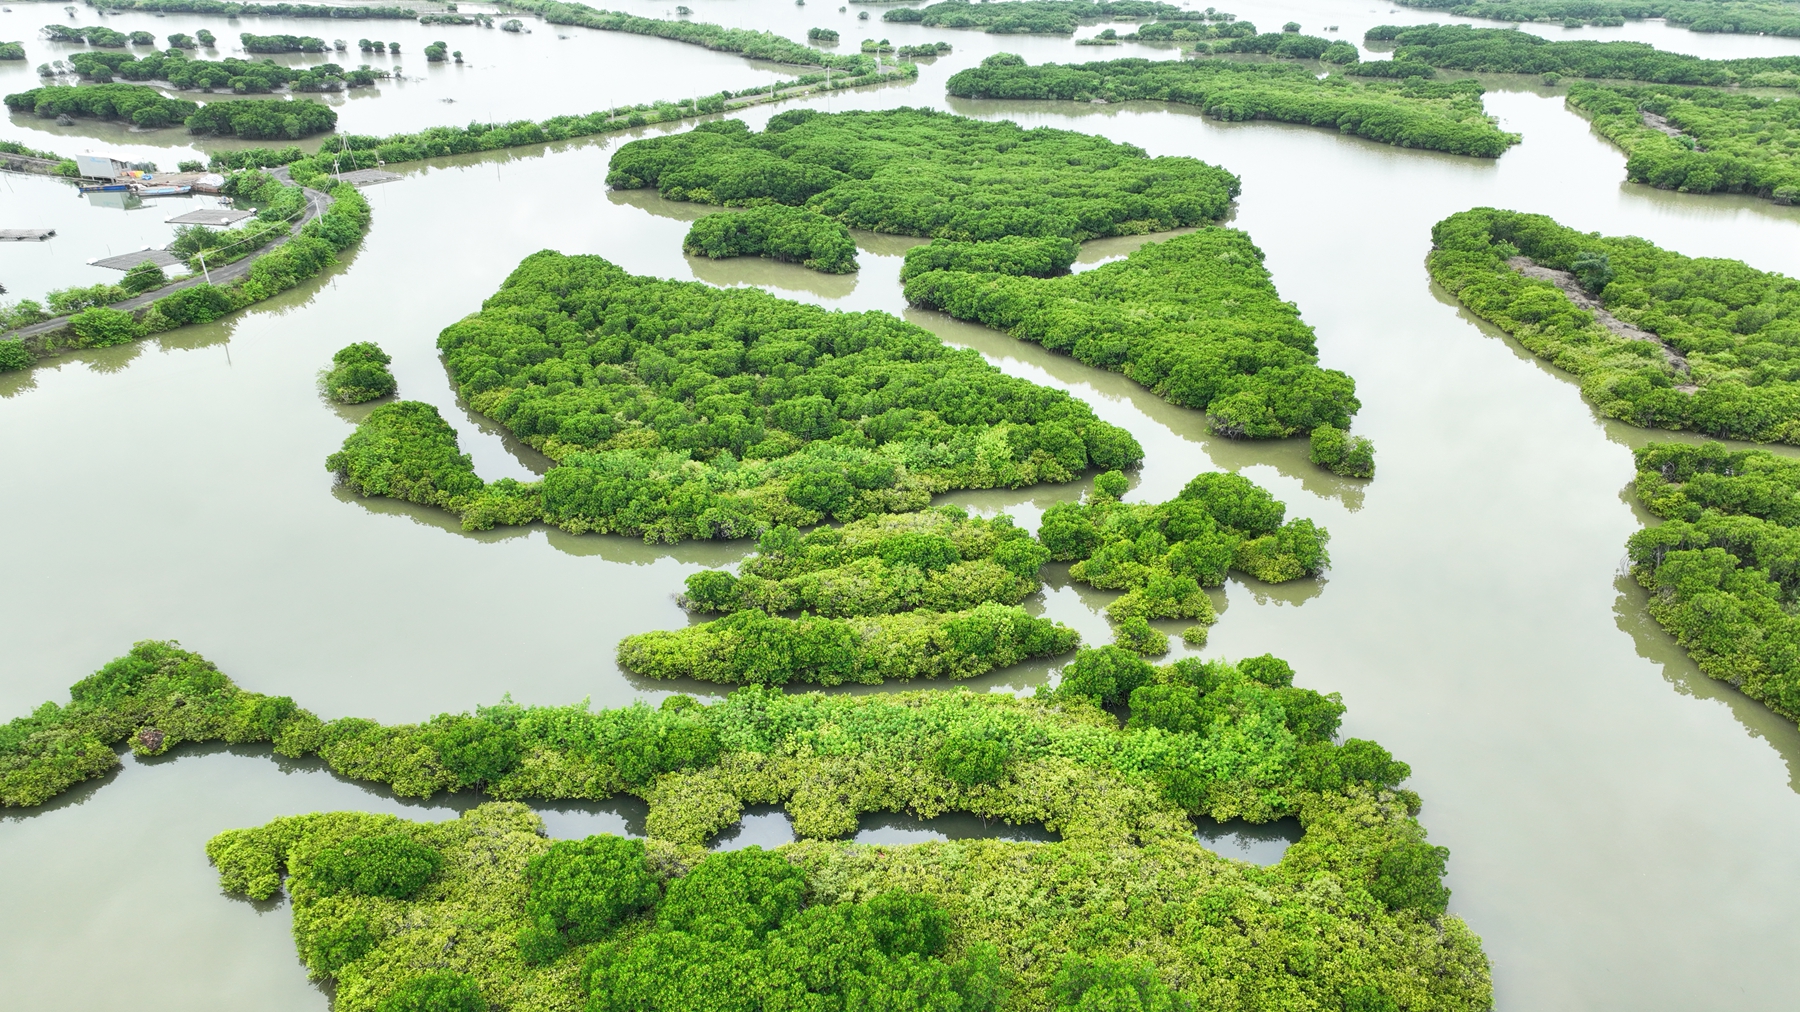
<point x="1625" y="834"/>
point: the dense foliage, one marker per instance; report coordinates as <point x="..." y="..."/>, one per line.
<point x="1411" y="113"/>
<point x="920" y="172"/>
<point x="154" y="698"/>
<point x="751" y="647"/>
<point x="1509" y="51"/>
<point x="1195" y="318"/>
<point x="1753" y="18"/>
<point x="1713" y="349"/>
<point x="142" y="106"/>
<point x="1162" y="554"/>
<point x="1033" y="256"/>
<point x="1358" y="901"/>
<point x="1724" y="569"/>
<point x="754" y="44"/>
<point x="1039" y="17"/>
<point x="678" y="410"/>
<point x="776" y="231"/>
<point x="938" y="559"/>
<point x="359" y="373"/>
<point x="227" y="9"/>
<point x="1700" y="140"/>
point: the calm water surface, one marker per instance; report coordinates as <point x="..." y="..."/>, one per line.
<point x="1622" y="829"/>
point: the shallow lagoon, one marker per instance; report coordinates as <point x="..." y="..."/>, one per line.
<point x="1621" y="828"/>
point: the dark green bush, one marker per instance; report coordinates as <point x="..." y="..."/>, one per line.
<point x="14" y="355"/>
<point x="359" y="373"/>
<point x="586" y="888"/>
<point x="1410" y="877"/>
<point x="1088" y="985"/>
<point x="392" y="865"/>
<point x="144" y="106"/>
<point x="143" y="278"/>
<point x="100" y="327"/>
<point x="971" y="759"/>
<point x="263" y="119"/>
<point x="1509" y="51"/>
<point x="1341" y="453"/>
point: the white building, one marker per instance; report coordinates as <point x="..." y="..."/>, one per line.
<point x="100" y="166"/>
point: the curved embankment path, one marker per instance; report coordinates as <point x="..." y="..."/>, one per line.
<point x="316" y="204"/>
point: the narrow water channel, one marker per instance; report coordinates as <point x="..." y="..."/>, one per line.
<point x="1622" y="829"/>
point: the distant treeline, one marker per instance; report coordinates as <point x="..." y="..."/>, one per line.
<point x="1411" y="113"/>
<point x="1705" y="16"/>
<point x="252" y="119"/>
<point x="759" y="45"/>
<point x="245" y="77"/>
<point x="1043" y="17"/>
<point x="1507" y="51"/>
<point x="235" y="10"/>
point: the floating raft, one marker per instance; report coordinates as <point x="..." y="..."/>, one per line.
<point x="25" y="234"/>
<point x="126" y="261"/>
<point x="211" y="216"/>
<point x="366" y="177"/>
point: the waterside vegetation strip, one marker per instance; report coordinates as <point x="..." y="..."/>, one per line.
<point x="1720" y="16"/>
<point x="1699" y="140"/>
<point x="302" y="255"/>
<point x="743" y="41"/>
<point x="1723" y="571"/>
<point x="1508" y="51"/>
<point x="1657" y="339"/>
<point x="678" y="410"/>
<point x="1411" y="113"/>
<point x="1059" y="17"/>
<point x="1194" y="318"/>
<point x="1358" y="898"/>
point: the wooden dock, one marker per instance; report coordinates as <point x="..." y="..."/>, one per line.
<point x="211" y="216"/>
<point x="126" y="261"/>
<point x="25" y="234"/>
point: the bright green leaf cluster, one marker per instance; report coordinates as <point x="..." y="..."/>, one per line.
<point x="938" y="559"/>
<point x="1162" y="555"/>
<point x="751" y="647"/>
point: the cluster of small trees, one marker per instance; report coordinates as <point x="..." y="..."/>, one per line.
<point x="1042" y="17"/>
<point x="244" y="77"/>
<point x="776" y="231"/>
<point x="228" y="9"/>
<point x="1415" y="114"/>
<point x="137" y="104"/>
<point x="1724" y="570"/>
<point x="1718" y="364"/>
<point x="281" y="43"/>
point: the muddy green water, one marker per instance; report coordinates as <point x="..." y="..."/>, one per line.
<point x="1622" y="830"/>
